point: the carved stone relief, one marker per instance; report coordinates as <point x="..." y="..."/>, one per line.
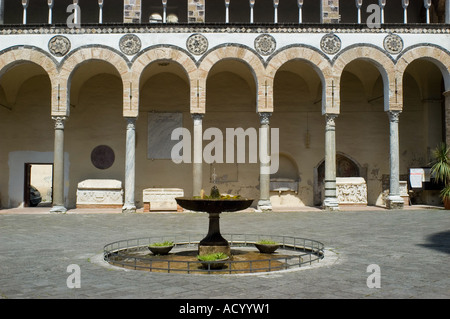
<point x="59" y="45"/>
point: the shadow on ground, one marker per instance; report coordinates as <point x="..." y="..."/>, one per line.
<point x="439" y="241"/>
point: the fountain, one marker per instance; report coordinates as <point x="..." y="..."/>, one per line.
<point x="214" y="205"/>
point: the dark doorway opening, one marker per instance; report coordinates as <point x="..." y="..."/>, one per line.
<point x="38" y="185"/>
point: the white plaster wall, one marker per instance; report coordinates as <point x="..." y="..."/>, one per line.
<point x="215" y="39"/>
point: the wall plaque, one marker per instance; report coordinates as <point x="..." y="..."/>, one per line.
<point x="160" y="127"/>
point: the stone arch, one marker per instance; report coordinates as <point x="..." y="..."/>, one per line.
<point x="384" y="64"/>
<point x="318" y="61"/>
<point x="240" y="53"/>
<point x="70" y="63"/>
<point x="163" y="53"/>
<point x="438" y="56"/>
<point x="21" y="54"/>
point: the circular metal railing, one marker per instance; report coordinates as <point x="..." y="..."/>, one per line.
<point x="134" y="254"/>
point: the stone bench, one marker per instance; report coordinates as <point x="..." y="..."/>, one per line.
<point x="162" y="199"/>
<point x="351" y="191"/>
<point x="100" y="193"/>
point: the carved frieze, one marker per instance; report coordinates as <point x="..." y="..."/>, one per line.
<point x="351" y="190"/>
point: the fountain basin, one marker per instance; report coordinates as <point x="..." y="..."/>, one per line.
<point x="214" y="205"/>
<point x="214" y="242"/>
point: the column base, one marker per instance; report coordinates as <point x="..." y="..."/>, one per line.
<point x="330" y="204"/>
<point x="395" y="202"/>
<point x="58" y="209"/>
<point x="129" y="209"/>
<point x="264" y="205"/>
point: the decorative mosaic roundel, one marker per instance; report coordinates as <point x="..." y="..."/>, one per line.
<point x="197" y="44"/>
<point x="265" y="44"/>
<point x="59" y="45"/>
<point x="393" y="44"/>
<point x="130" y="44"/>
<point x="330" y="43"/>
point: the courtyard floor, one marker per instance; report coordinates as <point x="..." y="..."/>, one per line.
<point x="410" y="246"/>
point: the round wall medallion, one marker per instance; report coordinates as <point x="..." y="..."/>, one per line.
<point x="59" y="45"/>
<point x="393" y="44"/>
<point x="130" y="44"/>
<point x="102" y="157"/>
<point x="265" y="44"/>
<point x="330" y="43"/>
<point x="197" y="44"/>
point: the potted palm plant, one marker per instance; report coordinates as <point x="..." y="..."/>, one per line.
<point x="440" y="169"/>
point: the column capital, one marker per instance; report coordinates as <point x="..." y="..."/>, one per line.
<point x="59" y="122"/>
<point x="264" y="117"/>
<point x="330" y="120"/>
<point x="131" y="122"/>
<point x="394" y="116"/>
<point x="446" y="93"/>
<point x="197" y="116"/>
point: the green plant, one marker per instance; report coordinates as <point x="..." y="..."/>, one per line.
<point x="162" y="244"/>
<point x="266" y="242"/>
<point x="212" y="257"/>
<point x="440" y="168"/>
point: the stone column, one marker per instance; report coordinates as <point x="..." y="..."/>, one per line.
<point x="447" y="117"/>
<point x="58" y="167"/>
<point x="330" y="201"/>
<point x="130" y="162"/>
<point x="264" y="169"/>
<point x="447" y="12"/>
<point x="394" y="201"/>
<point x="197" y="167"/>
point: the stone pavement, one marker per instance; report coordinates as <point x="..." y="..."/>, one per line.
<point x="411" y="247"/>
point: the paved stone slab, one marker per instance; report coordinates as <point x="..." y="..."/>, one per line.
<point x="411" y="247"/>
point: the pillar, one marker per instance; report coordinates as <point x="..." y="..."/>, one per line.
<point x="330" y="201"/>
<point x="25" y="6"/>
<point x="100" y="11"/>
<point x="196" y="11"/>
<point x="2" y="9"/>
<point x="197" y="167"/>
<point x="132" y="11"/>
<point x="264" y="169"/>
<point x="394" y="200"/>
<point x="58" y="167"/>
<point x="130" y="162"/>
<point x="330" y="11"/>
<point x="447" y="117"/>
<point x="447" y="11"/>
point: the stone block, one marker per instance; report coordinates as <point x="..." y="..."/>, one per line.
<point x="162" y="199"/>
<point x="351" y="191"/>
<point x="100" y="193"/>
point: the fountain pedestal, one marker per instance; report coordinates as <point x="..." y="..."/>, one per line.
<point x="214" y="242"/>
